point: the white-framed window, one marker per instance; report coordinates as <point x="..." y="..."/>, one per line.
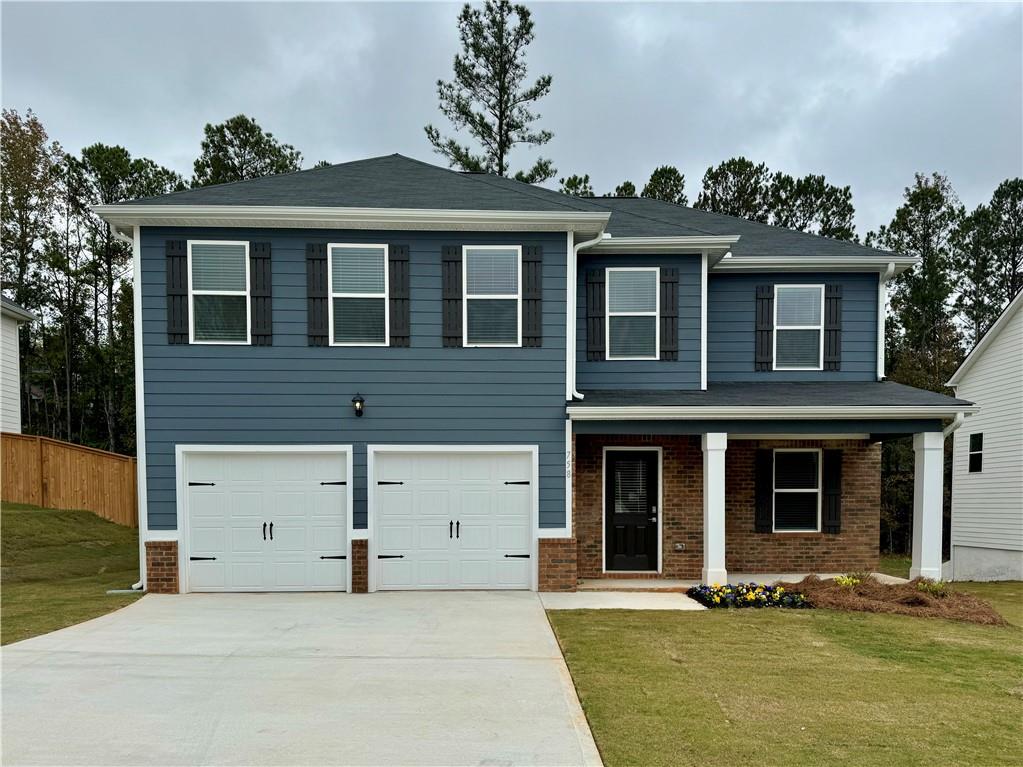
<point x="492" y="295"/>
<point x="633" y="305"/>
<point x="976" y="459"/>
<point x="357" y="312"/>
<point x="218" y="292"/>
<point x="798" y="327"/>
<point x="797" y="490"/>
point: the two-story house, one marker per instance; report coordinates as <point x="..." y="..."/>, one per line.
<point x="388" y="375"/>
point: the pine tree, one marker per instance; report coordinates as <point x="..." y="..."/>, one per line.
<point x="668" y="184"/>
<point x="1007" y="238"/>
<point x="737" y="187"/>
<point x="973" y="261"/>
<point x="578" y="186"/>
<point x="238" y="149"/>
<point x="487" y="97"/>
<point x="625" y="189"/>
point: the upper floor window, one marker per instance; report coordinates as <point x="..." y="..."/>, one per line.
<point x="799" y="327"/>
<point x="358" y="295"/>
<point x="632" y="308"/>
<point x="218" y="292"/>
<point x="797" y="491"/>
<point x="976" y="452"/>
<point x="492" y="294"/>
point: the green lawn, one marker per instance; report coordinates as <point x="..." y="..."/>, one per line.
<point x="57" y="567"/>
<point x="799" y="687"/>
<point x="895" y="564"/>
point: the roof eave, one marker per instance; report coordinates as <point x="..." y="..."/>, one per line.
<point x="285" y="216"/>
<point x="878" y="264"/>
<point x="711" y="244"/>
<point x="764" y="412"/>
<point x="17" y="313"/>
<point x="986" y="340"/>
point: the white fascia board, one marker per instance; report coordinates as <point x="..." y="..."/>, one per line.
<point x="17" y="313"/>
<point x="764" y="412"/>
<point x="285" y="216"/>
<point x="986" y="340"/>
<point x="642" y="245"/>
<point x="814" y="263"/>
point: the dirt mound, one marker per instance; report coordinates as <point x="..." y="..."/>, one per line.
<point x="918" y="597"/>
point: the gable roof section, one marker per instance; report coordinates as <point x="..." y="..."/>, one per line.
<point x="986" y="340"/>
<point x="10" y="309"/>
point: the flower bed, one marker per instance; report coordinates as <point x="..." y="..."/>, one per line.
<point x="747" y="595"/>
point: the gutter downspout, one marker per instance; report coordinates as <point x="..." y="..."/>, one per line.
<point x="882" y="312"/>
<point x="956" y="423"/>
<point x="139" y="585"/>
<point x="573" y="270"/>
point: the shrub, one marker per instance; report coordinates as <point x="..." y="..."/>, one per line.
<point x="847" y="580"/>
<point x="934" y="588"/>
<point x="746" y="595"/>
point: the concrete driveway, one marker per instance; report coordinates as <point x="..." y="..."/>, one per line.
<point x="457" y="678"/>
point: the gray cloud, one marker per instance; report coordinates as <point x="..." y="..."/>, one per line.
<point x="864" y="93"/>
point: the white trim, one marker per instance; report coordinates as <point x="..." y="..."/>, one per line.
<point x="790" y="436"/>
<point x="568" y="529"/>
<point x="882" y="315"/>
<point x="670" y="245"/>
<point x="247" y="293"/>
<point x="734" y="263"/>
<point x="698" y="412"/>
<point x="534" y="485"/>
<point x="331" y="295"/>
<point x="660" y="505"/>
<point x="141" y="483"/>
<point x="312" y="217"/>
<point x="819" y="490"/>
<point x="986" y="340"/>
<point x="608" y="314"/>
<point x="703" y="321"/>
<point x="494" y="296"/>
<point x="819" y="327"/>
<point x="162" y="535"/>
<point x="571" y="321"/>
<point x="182" y="451"/>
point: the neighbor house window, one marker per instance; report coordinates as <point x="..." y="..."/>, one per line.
<point x="976" y="453"/>
<point x="632" y="308"/>
<point x="799" y="327"/>
<point x="492" y="294"/>
<point x="358" y="295"/>
<point x="797" y="491"/>
<point x="218" y="290"/>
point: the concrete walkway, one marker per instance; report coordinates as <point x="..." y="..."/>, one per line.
<point x="457" y="678"/>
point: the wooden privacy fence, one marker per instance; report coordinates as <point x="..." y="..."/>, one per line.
<point x="58" y="475"/>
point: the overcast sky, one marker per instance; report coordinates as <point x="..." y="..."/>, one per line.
<point x="867" y="94"/>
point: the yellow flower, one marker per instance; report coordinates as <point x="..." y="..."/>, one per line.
<point x="717" y="599"/>
<point x="716" y="586"/>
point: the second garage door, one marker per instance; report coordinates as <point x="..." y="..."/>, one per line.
<point x="453" y="520"/>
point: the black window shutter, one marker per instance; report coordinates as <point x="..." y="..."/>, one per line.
<point x="451" y="294"/>
<point x="764" y="491"/>
<point x="177" y="292"/>
<point x="832" y="327"/>
<point x="831" y="499"/>
<point x="317" y="292"/>
<point x="399" y="294"/>
<point x="261" y="291"/>
<point x="532" y="295"/>
<point x="595" y="314"/>
<point x="764" y="358"/>
<point x="669" y="314"/>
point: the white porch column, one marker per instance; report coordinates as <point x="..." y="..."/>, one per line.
<point x="714" y="446"/>
<point x="928" y="476"/>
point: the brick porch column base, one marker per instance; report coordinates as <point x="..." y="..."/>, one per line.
<point x="360" y="566"/>
<point x="557" y="564"/>
<point x="162" y="567"/>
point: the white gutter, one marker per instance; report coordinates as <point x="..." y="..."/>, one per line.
<point x="673" y="245"/>
<point x="288" y="216"/>
<point x="882" y="314"/>
<point x="572" y="328"/>
<point x="813" y="264"/>
<point x="956" y="423"/>
<point x="757" y="412"/>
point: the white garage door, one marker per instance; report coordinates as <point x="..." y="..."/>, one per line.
<point x="453" y="520"/>
<point x="267" y="521"/>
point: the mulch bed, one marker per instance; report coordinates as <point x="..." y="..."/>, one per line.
<point x="872" y="596"/>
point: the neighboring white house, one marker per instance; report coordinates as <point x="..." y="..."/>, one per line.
<point x="987" y="468"/>
<point x="11" y="316"/>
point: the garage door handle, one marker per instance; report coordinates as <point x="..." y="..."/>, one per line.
<point x="390" y="556"/>
<point x="201" y="559"/>
<point x="333" y="483"/>
<point x="516" y="556"/>
<point x="451" y="531"/>
<point x="336" y="556"/>
<point x="518" y="482"/>
<point x="271" y="531"/>
<point x="264" y="531"/>
<point x="382" y="482"/>
<point x="202" y="484"/>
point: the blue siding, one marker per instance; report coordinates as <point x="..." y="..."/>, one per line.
<point x="645" y="374"/>
<point x="731" y="323"/>
<point x="291" y="393"/>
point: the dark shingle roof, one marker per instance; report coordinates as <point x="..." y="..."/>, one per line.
<point x="396" y="181"/>
<point x="768" y="394"/>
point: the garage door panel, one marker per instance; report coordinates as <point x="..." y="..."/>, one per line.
<point x="245" y="540"/>
<point x="208" y="575"/>
<point x="474" y="537"/>
<point x="395" y="574"/>
<point x="513" y="538"/>
<point x="395" y="538"/>
<point x="511" y="573"/>
<point x="392" y="502"/>
<point x="433" y="573"/>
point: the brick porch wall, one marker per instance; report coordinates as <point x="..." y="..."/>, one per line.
<point x="162" y="567"/>
<point x="855" y="548"/>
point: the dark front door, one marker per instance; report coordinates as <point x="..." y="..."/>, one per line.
<point x="630" y="510"/>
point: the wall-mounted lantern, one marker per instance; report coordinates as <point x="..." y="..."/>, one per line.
<point x="359" y="404"/>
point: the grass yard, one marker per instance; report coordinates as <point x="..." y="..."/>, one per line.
<point x="799" y="687"/>
<point x="895" y="564"/>
<point x="57" y="567"/>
